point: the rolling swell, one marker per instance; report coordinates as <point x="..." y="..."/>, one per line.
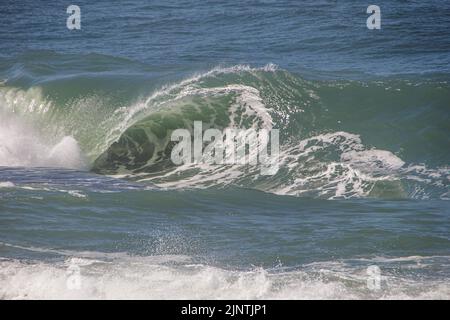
<point x="383" y="138"/>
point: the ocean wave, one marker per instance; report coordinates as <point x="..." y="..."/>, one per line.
<point x="326" y="151"/>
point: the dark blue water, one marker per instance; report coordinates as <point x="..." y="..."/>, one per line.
<point x="358" y="209"/>
<point x="314" y="36"/>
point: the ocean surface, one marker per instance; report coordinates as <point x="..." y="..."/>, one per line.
<point x="92" y="207"/>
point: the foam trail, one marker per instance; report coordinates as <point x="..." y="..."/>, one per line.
<point x="6" y="184"/>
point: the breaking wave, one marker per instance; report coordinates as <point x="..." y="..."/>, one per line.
<point x="339" y="139"/>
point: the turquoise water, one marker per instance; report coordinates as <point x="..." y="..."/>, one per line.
<point x="88" y="190"/>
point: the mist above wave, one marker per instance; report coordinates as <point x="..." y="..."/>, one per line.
<point x="21" y="145"/>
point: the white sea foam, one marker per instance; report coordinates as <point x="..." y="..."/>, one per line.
<point x="382" y="160"/>
<point x="352" y="172"/>
<point x="167" y="277"/>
